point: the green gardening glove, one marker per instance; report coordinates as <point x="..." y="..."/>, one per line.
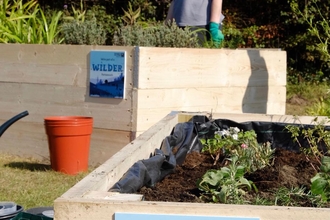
<point x="216" y="34"/>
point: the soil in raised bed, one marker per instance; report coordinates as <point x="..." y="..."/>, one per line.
<point x="289" y="169"/>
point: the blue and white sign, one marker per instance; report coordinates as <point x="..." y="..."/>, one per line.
<point x="107" y="74"/>
<point x="139" y="216"/>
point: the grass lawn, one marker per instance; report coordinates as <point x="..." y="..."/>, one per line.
<point x="31" y="183"/>
<point x="306" y="99"/>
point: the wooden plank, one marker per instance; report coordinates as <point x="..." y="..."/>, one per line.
<point x="187" y="97"/>
<point x="158" y="216"/>
<point x="106" y="143"/>
<point x="106" y="175"/>
<point x="148" y="117"/>
<point x="88" y="199"/>
<point x="53" y="64"/>
<point x="100" y="209"/>
<point x="30" y="140"/>
<point x="43" y="100"/>
<point x="185" y="67"/>
<point x="52" y="54"/>
<point x="154" y="104"/>
<point x="65" y="74"/>
<point x="112" y="196"/>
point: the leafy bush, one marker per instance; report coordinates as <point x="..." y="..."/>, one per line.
<point x="158" y="35"/>
<point x="26" y="23"/>
<point x="321" y="181"/>
<point x="109" y="22"/>
<point x="243" y="144"/>
<point x="317" y="137"/>
<point x="87" y="32"/>
<point x="244" y="154"/>
<point x="226" y="185"/>
<point x="320" y="108"/>
<point x="307" y="41"/>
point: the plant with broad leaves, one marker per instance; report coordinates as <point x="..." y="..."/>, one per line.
<point x="321" y="181"/>
<point x="226" y="185"/>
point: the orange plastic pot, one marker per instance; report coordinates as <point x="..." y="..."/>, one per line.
<point x="69" y="142"/>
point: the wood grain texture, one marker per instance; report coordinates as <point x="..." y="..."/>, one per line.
<point x="183" y="67"/>
<point x="54" y="80"/>
<point x="43" y="100"/>
<point x="101" y="209"/>
<point x="156" y="103"/>
<point x="52" y="64"/>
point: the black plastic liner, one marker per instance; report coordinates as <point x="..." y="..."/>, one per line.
<point x="184" y="139"/>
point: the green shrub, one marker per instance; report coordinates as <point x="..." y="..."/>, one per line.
<point x="226" y="185"/>
<point x="87" y="32"/>
<point x="320" y="108"/>
<point x="321" y="181"/>
<point x="158" y="35"/>
<point x="110" y="22"/>
<point x="26" y="23"/>
<point x="307" y="40"/>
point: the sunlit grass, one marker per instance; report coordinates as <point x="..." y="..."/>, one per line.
<point x="31" y="183"/>
<point x="308" y="99"/>
<point x="310" y="92"/>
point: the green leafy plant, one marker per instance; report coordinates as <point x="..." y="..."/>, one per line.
<point x="78" y="14"/>
<point x="222" y="142"/>
<point x="307" y="42"/>
<point x="50" y="31"/>
<point x="109" y="22"/>
<point x="242" y="144"/>
<point x="84" y="33"/>
<point x="321" y="181"/>
<point x="226" y="185"/>
<point x="156" y="35"/>
<point x="26" y="23"/>
<point x="290" y="197"/>
<point x="130" y="16"/>
<point x="320" y="108"/>
<point x="315" y="135"/>
<point x="318" y="26"/>
<point x="244" y="155"/>
<point x="18" y="21"/>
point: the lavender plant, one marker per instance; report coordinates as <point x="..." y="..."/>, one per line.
<point x="157" y="35"/>
<point x="87" y="32"/>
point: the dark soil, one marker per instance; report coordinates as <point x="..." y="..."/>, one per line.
<point x="289" y="169"/>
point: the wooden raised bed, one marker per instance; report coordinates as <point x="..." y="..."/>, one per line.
<point x="90" y="199"/>
<point x="54" y="80"/>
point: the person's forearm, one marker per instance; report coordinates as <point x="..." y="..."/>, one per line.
<point x="216" y="9"/>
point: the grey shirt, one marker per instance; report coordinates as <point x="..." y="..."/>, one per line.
<point x="192" y="12"/>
